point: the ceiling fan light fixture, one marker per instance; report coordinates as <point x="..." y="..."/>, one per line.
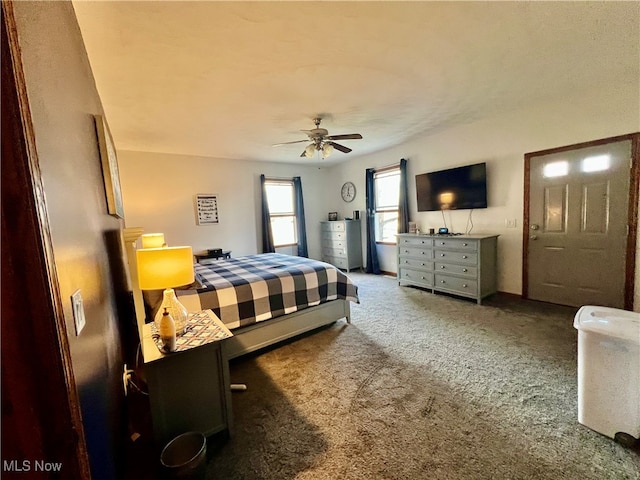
<point x="310" y="150"/>
<point x="327" y="149"/>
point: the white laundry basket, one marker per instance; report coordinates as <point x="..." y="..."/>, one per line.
<point x="609" y="370"/>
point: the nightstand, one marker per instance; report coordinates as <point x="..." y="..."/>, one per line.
<point x="189" y="390"/>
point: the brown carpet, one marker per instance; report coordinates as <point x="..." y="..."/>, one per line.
<point x="419" y="386"/>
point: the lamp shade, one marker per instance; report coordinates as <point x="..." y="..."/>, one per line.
<point x="153" y="240"/>
<point x="327" y="150"/>
<point x="160" y="268"/>
<point x="310" y="150"/>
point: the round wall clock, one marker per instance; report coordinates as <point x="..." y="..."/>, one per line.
<point x="348" y="191"/>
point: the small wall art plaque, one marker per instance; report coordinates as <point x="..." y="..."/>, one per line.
<point x="207" y="209"/>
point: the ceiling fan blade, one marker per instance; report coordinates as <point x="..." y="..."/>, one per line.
<point x="288" y="143"/>
<point x="342" y="148"/>
<point x="347" y="136"/>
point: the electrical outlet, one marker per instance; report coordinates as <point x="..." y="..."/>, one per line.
<point x="511" y="223"/>
<point x="78" y="311"/>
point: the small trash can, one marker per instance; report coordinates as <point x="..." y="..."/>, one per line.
<point x="609" y="371"/>
<point x="185" y="457"/>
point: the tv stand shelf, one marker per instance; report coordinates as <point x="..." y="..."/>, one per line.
<point x="462" y="265"/>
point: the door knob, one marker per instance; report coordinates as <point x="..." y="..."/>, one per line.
<point x="533" y="237"/>
<point x="534" y="226"/>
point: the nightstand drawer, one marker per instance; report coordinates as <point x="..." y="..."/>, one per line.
<point x="457" y="269"/>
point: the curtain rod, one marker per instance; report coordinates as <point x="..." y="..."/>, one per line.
<point x="397" y="164"/>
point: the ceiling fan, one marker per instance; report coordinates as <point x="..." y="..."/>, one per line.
<point x="322" y="142"/>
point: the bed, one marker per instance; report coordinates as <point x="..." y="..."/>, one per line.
<point x="267" y="298"/>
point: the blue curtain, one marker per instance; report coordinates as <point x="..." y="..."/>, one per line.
<point x="403" y="201"/>
<point x="373" y="266"/>
<point x="267" y="235"/>
<point x="300" y="223"/>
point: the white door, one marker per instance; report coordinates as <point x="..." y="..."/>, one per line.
<point x="576" y="245"/>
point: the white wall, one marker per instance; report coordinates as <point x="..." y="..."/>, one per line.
<point x="159" y="191"/>
<point x="501" y="141"/>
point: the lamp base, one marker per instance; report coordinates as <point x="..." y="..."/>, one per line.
<point x="178" y="312"/>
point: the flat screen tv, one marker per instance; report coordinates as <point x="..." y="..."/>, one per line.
<point x="453" y="189"/>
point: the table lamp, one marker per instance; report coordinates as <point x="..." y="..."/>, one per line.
<point x="153" y="240"/>
<point x="166" y="268"/>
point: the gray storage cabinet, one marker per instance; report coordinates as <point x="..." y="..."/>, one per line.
<point x="341" y="243"/>
<point x="460" y="265"/>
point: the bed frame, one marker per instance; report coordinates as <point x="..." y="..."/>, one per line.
<point x="269" y="332"/>
<point x="253" y="337"/>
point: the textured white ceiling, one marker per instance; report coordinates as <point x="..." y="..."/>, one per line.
<point x="229" y="79"/>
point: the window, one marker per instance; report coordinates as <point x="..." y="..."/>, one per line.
<point x="387" y="193"/>
<point x="555" y="169"/>
<point x="280" y="196"/>
<point x="598" y="163"/>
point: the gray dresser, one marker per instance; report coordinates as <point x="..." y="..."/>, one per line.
<point x="341" y="243"/>
<point x="461" y="265"/>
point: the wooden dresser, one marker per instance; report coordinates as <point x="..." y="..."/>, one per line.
<point x="341" y="243"/>
<point x="461" y="265"/>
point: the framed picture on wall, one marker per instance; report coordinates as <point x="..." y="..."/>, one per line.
<point x="207" y="209"/>
<point x="333" y="216"/>
<point x="110" y="172"/>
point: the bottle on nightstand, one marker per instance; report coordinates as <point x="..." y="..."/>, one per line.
<point x="167" y="332"/>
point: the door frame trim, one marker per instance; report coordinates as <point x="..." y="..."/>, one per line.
<point x="35" y="345"/>
<point x="632" y="220"/>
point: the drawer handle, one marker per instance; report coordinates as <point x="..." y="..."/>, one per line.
<point x="441" y="243"/>
<point x="465" y="244"/>
<point x="464" y="285"/>
<point x="464" y="270"/>
<point x="442" y="254"/>
<point x="464" y="256"/>
<point x="423" y="278"/>
<point x="442" y="281"/>
<point x="442" y="267"/>
<point x="422" y="264"/>
<point x="422" y="252"/>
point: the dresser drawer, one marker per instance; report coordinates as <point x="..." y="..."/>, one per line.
<point x="446" y="256"/>
<point x="465" y="270"/>
<point x="456" y="243"/>
<point x="333" y="235"/>
<point x="418" y="277"/>
<point x="332" y="226"/>
<point x="334" y="244"/>
<point x="455" y="284"/>
<point x="415" y="252"/>
<point x="340" y="262"/>
<point x="416" y="241"/>
<point x="334" y="252"/>
<point x="416" y="263"/>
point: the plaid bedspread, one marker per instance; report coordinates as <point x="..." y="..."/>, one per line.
<point x="250" y="289"/>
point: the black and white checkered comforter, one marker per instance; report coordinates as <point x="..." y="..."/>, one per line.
<point x="250" y="289"/>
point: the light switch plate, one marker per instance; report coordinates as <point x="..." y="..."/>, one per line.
<point x="78" y="311"/>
